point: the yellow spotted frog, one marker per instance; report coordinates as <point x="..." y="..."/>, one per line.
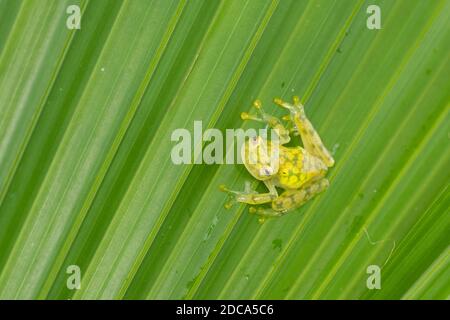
<point x="300" y="171"/>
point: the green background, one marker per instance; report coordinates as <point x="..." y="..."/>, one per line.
<point x="85" y="171"/>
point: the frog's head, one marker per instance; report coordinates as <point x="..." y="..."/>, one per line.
<point x="260" y="158"/>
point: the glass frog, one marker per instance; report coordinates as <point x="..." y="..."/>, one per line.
<point x="299" y="171"/>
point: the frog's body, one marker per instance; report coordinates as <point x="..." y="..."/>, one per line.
<point x="299" y="171"/>
<point x="296" y="167"/>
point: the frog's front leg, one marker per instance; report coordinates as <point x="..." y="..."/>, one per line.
<point x="310" y="138"/>
<point x="271" y="121"/>
<point x="292" y="199"/>
<point x="250" y="196"/>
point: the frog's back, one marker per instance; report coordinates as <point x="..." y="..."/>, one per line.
<point x="298" y="167"/>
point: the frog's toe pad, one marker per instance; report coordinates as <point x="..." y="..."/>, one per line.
<point x="228" y="205"/>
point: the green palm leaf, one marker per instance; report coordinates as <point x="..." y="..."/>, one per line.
<point x="86" y="177"/>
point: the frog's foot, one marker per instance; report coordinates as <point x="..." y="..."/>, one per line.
<point x="295" y="108"/>
<point x="248" y="196"/>
<point x="261" y="218"/>
<point x="262" y="116"/>
<point x="231" y="199"/>
<point x="271" y="121"/>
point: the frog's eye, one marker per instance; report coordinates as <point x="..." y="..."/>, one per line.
<point x="255" y="140"/>
<point x="266" y="171"/>
<point x="284" y="172"/>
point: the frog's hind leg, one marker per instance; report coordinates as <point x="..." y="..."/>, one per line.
<point x="292" y="199"/>
<point x="271" y="121"/>
<point x="250" y="196"/>
<point x="310" y="138"/>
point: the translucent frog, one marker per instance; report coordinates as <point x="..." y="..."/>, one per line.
<point x="299" y="171"/>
